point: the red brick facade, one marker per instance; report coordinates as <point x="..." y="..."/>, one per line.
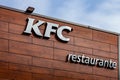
<point x="27" y="57"/>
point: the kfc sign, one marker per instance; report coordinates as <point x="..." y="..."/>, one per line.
<point x="50" y="28"/>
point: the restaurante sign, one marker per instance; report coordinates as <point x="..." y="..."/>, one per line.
<point x="82" y="59"/>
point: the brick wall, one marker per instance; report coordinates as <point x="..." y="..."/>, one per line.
<point x="27" y="57"/>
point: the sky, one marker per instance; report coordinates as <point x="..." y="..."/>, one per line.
<point x="102" y="14"/>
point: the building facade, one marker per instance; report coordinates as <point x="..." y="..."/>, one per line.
<point x="27" y="55"/>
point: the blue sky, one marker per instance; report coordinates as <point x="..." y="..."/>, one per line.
<point x="104" y="14"/>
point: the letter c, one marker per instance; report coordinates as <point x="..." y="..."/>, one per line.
<point x="59" y="33"/>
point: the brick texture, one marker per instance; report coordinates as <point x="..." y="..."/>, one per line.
<point x="4" y="46"/>
<point x="28" y="57"/>
<point x="3" y="26"/>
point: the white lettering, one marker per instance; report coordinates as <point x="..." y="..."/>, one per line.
<point x="50" y="28"/>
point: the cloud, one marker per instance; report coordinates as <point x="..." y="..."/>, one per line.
<point x="71" y="10"/>
<point x="41" y="6"/>
<point x="103" y="14"/>
<point x="106" y="14"/>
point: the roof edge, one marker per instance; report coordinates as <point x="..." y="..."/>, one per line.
<point x="61" y="20"/>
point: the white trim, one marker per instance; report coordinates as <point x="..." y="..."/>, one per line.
<point x="61" y="20"/>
